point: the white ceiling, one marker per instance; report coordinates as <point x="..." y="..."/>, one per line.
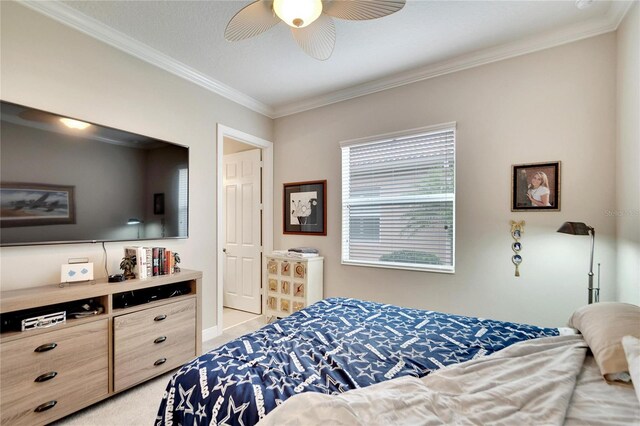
<point x="272" y="75"/>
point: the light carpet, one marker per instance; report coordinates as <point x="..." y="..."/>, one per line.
<point x="233" y="317"/>
<point x="139" y="405"/>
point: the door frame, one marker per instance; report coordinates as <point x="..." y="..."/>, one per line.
<point x="267" y="207"/>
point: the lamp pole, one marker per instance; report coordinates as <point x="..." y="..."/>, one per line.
<point x="579" y="228"/>
<point x="592" y="231"/>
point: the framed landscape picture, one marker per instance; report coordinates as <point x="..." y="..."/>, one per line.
<point x="305" y="208"/>
<point x="34" y="204"/>
<point x="535" y="187"/>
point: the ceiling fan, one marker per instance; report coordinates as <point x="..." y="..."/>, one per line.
<point x="310" y="20"/>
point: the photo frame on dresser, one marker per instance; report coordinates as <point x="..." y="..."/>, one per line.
<point x="535" y="187"/>
<point x="305" y="208"/>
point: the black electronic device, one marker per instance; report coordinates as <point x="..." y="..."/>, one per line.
<point x="146" y="295"/>
<point x="85" y="310"/>
<point x="149" y="176"/>
<point x="50" y="315"/>
<point x="117" y="278"/>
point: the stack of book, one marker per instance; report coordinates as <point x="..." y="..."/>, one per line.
<point x="299" y="252"/>
<point x="151" y="261"/>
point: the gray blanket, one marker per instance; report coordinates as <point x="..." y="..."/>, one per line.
<point x="527" y="383"/>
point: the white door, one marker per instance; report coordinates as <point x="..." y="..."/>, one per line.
<point x="242" y="231"/>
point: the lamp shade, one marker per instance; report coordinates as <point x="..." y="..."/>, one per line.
<point x="575" y="228"/>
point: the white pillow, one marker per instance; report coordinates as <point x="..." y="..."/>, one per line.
<point x="603" y="325"/>
<point x="631" y="347"/>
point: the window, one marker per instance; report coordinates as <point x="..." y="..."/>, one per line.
<point x="364" y="228"/>
<point x="398" y="200"/>
<point x="183" y="202"/>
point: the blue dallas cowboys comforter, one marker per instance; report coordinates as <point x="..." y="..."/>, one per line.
<point x="330" y="347"/>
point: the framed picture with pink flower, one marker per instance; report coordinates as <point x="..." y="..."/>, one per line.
<point x="535" y="187"/>
<point x="305" y="208"/>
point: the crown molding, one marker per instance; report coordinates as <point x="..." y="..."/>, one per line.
<point x="96" y="29"/>
<point x="87" y="25"/>
<point x="619" y="10"/>
<point x="591" y="28"/>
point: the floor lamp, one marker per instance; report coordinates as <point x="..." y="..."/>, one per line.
<point x="579" y="228"/>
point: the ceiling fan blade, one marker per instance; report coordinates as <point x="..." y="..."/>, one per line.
<point x="317" y="39"/>
<point x="360" y="10"/>
<point x="252" y="20"/>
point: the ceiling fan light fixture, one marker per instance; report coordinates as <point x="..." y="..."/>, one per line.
<point x="311" y="21"/>
<point x="298" y="13"/>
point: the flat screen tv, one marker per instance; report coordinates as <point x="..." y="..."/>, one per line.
<point x="68" y="181"/>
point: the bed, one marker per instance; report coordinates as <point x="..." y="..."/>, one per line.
<point x="329" y="348"/>
<point x="588" y="378"/>
<point x="547" y="381"/>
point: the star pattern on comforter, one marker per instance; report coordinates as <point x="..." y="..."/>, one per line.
<point x="330" y="347"/>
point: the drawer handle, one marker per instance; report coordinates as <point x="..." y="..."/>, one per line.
<point x="160" y="361"/>
<point x="160" y="317"/>
<point x="46" y="347"/>
<point x="46" y="406"/>
<point x="46" y="376"/>
<point x="160" y="339"/>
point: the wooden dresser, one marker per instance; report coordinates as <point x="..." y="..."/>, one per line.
<point x="48" y="373"/>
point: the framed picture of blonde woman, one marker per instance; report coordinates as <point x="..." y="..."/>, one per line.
<point x="535" y="187"/>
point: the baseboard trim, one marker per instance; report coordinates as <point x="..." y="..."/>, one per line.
<point x="210" y="333"/>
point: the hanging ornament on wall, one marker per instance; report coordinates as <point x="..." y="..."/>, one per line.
<point x="517" y="229"/>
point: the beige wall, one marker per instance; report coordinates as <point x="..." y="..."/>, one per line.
<point x="232" y="146"/>
<point x="557" y="104"/>
<point x="49" y="66"/>
<point x="628" y="158"/>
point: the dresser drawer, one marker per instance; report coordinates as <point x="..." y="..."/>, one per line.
<point x="66" y="368"/>
<point x="149" y="342"/>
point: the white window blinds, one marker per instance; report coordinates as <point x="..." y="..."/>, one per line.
<point x="183" y="202"/>
<point x="398" y="200"/>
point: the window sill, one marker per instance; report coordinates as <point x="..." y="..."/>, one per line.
<point x="440" y="270"/>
